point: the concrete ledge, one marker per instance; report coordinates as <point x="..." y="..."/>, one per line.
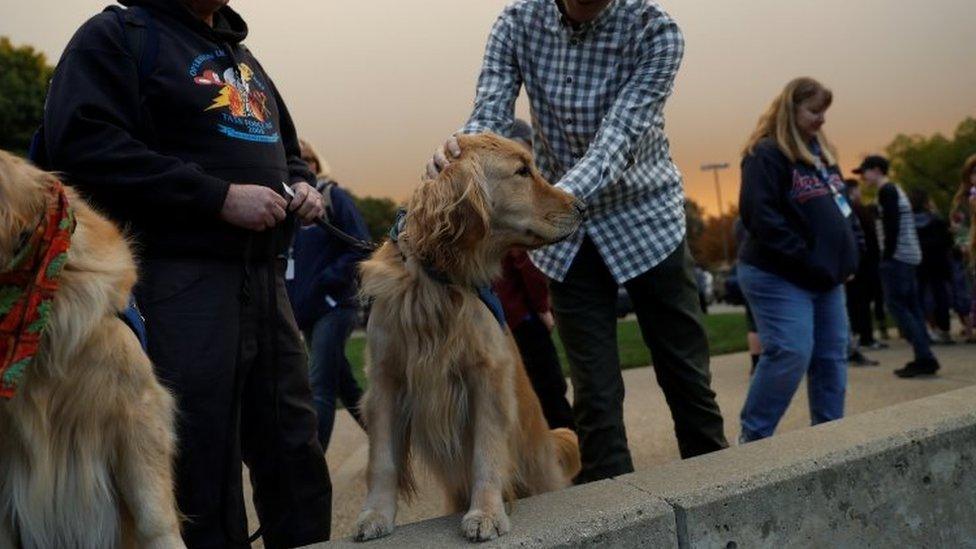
<point x="601" y="514"/>
<point x="899" y="476"/>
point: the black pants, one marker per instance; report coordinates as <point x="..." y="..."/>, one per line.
<point x="878" y="300"/>
<point x="859" y="310"/>
<point x="542" y="364"/>
<point x="666" y="302"/>
<point x="222" y="337"/>
<point x="937" y="286"/>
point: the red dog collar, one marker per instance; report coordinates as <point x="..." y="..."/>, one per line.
<point x="27" y="288"/>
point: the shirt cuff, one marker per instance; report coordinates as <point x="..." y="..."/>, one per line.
<point x="476" y="127"/>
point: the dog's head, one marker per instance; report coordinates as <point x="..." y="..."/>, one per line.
<point x="485" y="202"/>
<point x="22" y="204"/>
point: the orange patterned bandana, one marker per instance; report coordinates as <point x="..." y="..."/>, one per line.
<point x="27" y="288"/>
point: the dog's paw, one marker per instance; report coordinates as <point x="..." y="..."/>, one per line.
<point x="372" y="525"/>
<point x="479" y="525"/>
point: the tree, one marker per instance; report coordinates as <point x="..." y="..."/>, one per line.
<point x="716" y="237"/>
<point x="24" y="78"/>
<point x="933" y="163"/>
<point x="379" y="214"/>
<point x="694" y="221"/>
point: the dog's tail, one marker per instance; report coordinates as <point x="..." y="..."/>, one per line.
<point x="567" y="451"/>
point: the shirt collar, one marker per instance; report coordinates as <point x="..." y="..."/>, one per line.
<point x="558" y="21"/>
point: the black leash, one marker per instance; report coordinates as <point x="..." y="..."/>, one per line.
<point x="324" y="223"/>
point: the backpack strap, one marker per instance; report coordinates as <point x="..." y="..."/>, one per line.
<point x="325" y="189"/>
<point x="37" y="151"/>
<point x="141" y="37"/>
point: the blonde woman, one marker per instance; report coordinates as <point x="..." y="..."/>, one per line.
<point x="799" y="251"/>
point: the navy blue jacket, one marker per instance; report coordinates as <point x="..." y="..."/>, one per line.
<point x="325" y="274"/>
<point x="795" y="229"/>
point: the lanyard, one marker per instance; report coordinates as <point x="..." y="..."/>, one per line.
<point x="824" y="172"/>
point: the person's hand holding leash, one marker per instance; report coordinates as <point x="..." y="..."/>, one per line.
<point x="441" y="156"/>
<point x="306" y="203"/>
<point x="253" y="207"/>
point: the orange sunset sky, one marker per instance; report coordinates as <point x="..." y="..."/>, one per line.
<point x="377" y="84"/>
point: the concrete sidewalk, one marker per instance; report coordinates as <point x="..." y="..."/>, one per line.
<point x="650" y="429"/>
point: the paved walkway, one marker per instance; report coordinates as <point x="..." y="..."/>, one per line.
<point x="650" y="430"/>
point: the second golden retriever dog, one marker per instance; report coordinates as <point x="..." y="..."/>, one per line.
<point x="445" y="377"/>
<point x="86" y="431"/>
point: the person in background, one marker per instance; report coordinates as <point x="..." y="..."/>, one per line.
<point x="972" y="254"/>
<point x="524" y="293"/>
<point x="598" y="74"/>
<point x="188" y="144"/>
<point x="321" y="280"/>
<point x="878" y="302"/>
<point x="900" y="257"/>
<point x="799" y="251"/>
<point x="702" y="281"/>
<point x="935" y="271"/>
<point x="752" y="333"/>
<point x="865" y="289"/>
<point x="853" y="290"/>
<point x="960" y="294"/>
<point x="961" y="214"/>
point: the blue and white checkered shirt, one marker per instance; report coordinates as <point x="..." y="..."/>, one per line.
<point x="597" y="95"/>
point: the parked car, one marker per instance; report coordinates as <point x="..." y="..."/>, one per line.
<point x="718" y="285"/>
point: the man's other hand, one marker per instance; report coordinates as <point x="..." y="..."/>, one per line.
<point x="253" y="207"/>
<point x="307" y="203"/>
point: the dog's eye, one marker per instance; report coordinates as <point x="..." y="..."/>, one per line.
<point x="524" y="171"/>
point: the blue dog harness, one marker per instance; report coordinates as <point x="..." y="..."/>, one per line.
<point x="134" y="320"/>
<point x="485" y="293"/>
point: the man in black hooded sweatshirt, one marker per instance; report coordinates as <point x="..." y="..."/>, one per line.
<point x="164" y="120"/>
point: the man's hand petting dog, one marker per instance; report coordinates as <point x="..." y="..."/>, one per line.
<point x="441" y="158"/>
<point x="258" y="208"/>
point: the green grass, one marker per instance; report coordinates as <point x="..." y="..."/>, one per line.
<point x="726" y="334"/>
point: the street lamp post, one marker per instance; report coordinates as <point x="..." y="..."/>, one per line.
<point x="715" y="168"/>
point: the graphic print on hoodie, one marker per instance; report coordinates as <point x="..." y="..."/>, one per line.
<point x="241" y="97"/>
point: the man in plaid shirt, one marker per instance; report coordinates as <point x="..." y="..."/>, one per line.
<point x="598" y="73"/>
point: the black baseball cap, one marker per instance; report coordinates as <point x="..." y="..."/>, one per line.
<point x="873" y="162"/>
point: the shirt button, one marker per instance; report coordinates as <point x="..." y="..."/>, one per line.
<point x="569" y="79"/>
<point x="574" y="42"/>
<point x="569" y="121"/>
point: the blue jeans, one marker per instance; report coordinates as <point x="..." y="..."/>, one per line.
<point x="900" y="285"/>
<point x="329" y="373"/>
<point x="802" y="332"/>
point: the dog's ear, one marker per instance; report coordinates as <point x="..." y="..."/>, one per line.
<point x="448" y="217"/>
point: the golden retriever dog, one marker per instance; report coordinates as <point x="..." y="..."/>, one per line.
<point x="445" y="379"/>
<point x="87" y="439"/>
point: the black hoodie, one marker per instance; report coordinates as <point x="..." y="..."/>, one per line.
<point x="795" y="228"/>
<point x="159" y="159"/>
